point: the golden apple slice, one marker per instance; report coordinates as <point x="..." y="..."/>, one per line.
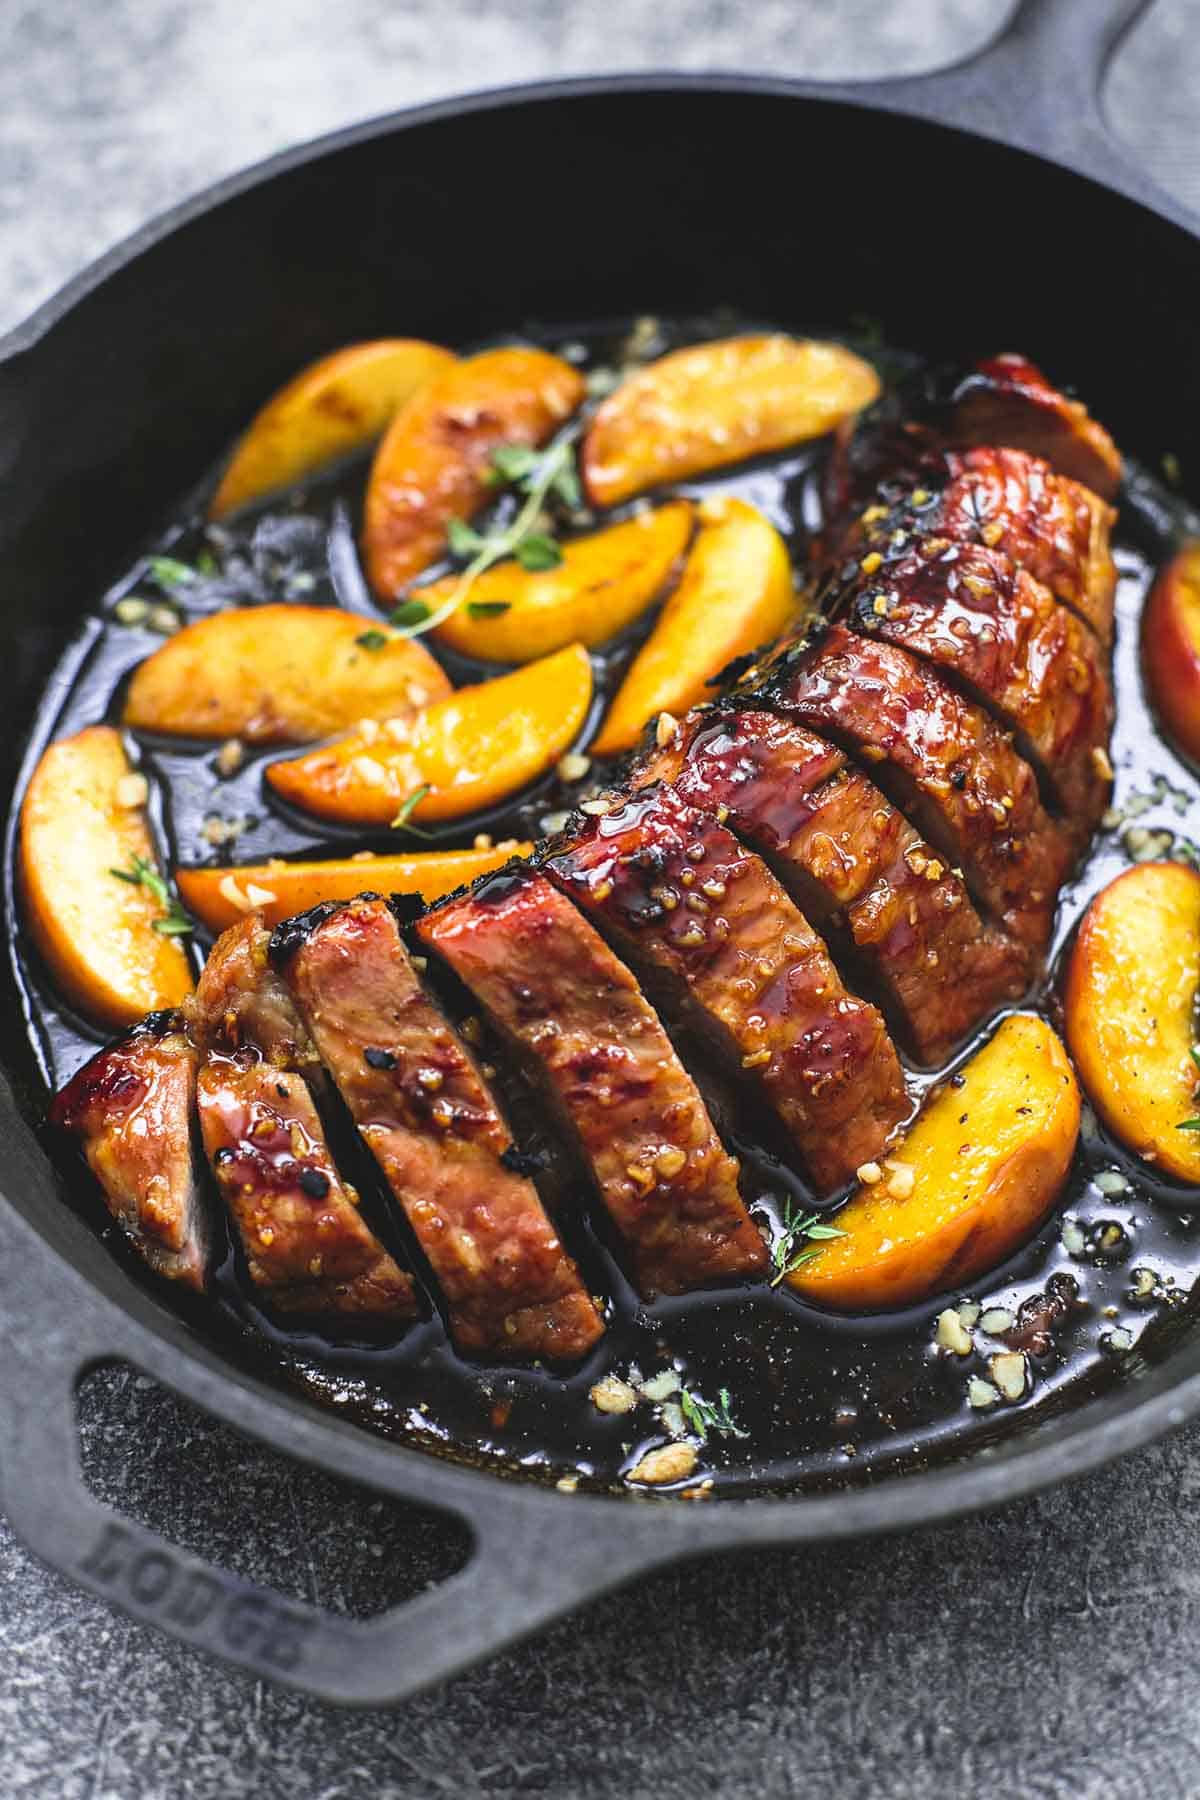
<point x="713" y="404"/>
<point x="83" y="817"/>
<point x="457" y="756"/>
<point x="336" y="405"/>
<point x="972" y="1179"/>
<point x="433" y="465"/>
<point x="220" y="897"/>
<point x="1171" y="647"/>
<point x="605" y="580"/>
<point x="736" y="593"/>
<point x="1130" y="1012"/>
<point x="282" y="674"/>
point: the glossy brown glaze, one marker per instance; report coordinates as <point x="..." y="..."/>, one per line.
<point x="943" y="759"/>
<point x="425" y="1112"/>
<point x="1009" y="644"/>
<point x="575" y="1014"/>
<point x="706" y="921"/>
<point x="1006" y="400"/>
<point x="845" y="853"/>
<point x="1003" y="500"/>
<point x="131" y="1108"/>
<point x="308" y="1249"/>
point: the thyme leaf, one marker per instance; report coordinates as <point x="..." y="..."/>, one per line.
<point x="802" y="1235"/>
<point x="169" y="572"/>
<point x="372" y="640"/>
<point x="403" y="819"/>
<point x="142" y="873"/>
<point x="704" y="1415"/>
<point x="537" y="475"/>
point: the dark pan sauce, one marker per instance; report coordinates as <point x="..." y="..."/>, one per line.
<point x="818" y="1400"/>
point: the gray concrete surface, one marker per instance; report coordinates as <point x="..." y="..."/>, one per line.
<point x="1050" y="1650"/>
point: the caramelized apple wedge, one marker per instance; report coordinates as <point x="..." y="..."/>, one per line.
<point x="1171" y="647"/>
<point x="736" y="593"/>
<point x="457" y="756"/>
<point x="1130" y="1012"/>
<point x="603" y="583"/>
<point x="433" y="464"/>
<point x="336" y="405"/>
<point x="712" y="404"/>
<point x="282" y="674"/>
<point x="82" y="819"/>
<point x="220" y="897"/>
<point x="972" y="1178"/>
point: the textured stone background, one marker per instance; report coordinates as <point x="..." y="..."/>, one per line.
<point x="1049" y="1650"/>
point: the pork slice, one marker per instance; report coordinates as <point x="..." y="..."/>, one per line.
<point x="131" y="1108"/>
<point x="847" y="854"/>
<point x="575" y="1014"/>
<point x="308" y="1248"/>
<point x="706" y="921"/>
<point x="1005" y="500"/>
<point x="424" y="1110"/>
<point x="945" y="763"/>
<point x="1004" y="638"/>
<point x="1007" y="401"/>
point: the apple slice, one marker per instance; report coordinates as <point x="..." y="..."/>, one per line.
<point x="83" y="817"/>
<point x="1129" y="1006"/>
<point x="282" y="674"/>
<point x="603" y="583"/>
<point x="713" y="404"/>
<point x="736" y="593"/>
<point x="434" y="462"/>
<point x="336" y="405"/>
<point x="1171" y="647"/>
<point x="972" y="1178"/>
<point x="220" y="897"/>
<point x="457" y="756"/>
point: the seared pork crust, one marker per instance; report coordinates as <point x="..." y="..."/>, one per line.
<point x="709" y="925"/>
<point x="1004" y="638"/>
<point x="425" y="1112"/>
<point x="575" y="1015"/>
<point x="942" y="759"/>
<point x="131" y="1109"/>
<point x="846" y="854"/>
<point x="308" y="1249"/>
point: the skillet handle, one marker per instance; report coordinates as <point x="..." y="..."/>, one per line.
<point x="523" y="1571"/>
<point x="1038" y="85"/>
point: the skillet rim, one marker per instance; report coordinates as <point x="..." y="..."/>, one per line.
<point x="1098" y="1430"/>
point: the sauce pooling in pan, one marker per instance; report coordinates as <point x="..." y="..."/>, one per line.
<point x="770" y="1392"/>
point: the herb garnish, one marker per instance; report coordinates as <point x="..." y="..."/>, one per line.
<point x="169" y="572"/>
<point x="402" y="820"/>
<point x="1191" y="1124"/>
<point x="372" y="640"/>
<point x="706" y="1415"/>
<point x="538" y="475"/>
<point x="141" y="873"/>
<point x="798" y="1229"/>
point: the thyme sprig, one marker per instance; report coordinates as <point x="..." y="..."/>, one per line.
<point x="704" y="1415"/>
<point x="803" y="1233"/>
<point x="537" y="475"/>
<point x="1191" y="1124"/>
<point x="141" y="873"/>
<point x="403" y="819"/>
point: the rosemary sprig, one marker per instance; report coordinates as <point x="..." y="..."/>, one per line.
<point x="141" y="873"/>
<point x="537" y="475"/>
<point x="799" y="1229"/>
<point x="169" y="572"/>
<point x="704" y="1415"/>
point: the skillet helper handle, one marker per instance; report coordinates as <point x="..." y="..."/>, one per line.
<point x="1037" y="85"/>
<point x="523" y="1570"/>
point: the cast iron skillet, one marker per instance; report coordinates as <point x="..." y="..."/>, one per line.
<point x="981" y="207"/>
